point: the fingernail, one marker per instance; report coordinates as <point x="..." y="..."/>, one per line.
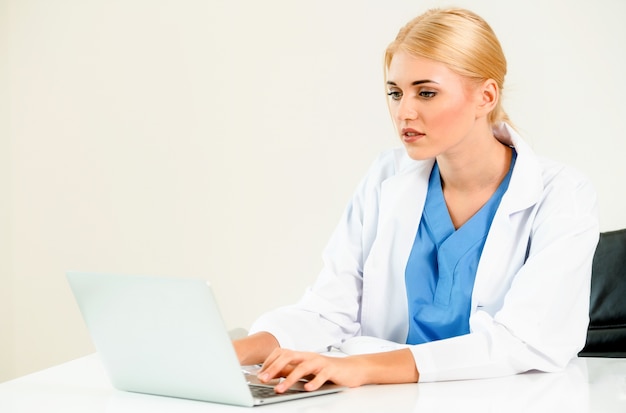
<point x="264" y="377"/>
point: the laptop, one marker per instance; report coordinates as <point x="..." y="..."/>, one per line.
<point x="165" y="336"/>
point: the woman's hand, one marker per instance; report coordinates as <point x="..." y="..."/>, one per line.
<point x="318" y="369"/>
<point x="391" y="367"/>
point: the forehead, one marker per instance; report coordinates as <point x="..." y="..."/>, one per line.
<point x="407" y="68"/>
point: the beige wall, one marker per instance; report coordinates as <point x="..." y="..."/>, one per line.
<point x="223" y="139"/>
<point x="7" y="332"/>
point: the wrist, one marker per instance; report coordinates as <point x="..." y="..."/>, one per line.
<point x="389" y="367"/>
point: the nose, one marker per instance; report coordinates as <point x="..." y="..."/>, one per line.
<point x="405" y="110"/>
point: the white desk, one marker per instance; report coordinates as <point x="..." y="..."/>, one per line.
<point x="588" y="385"/>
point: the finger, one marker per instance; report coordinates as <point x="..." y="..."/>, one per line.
<point x="278" y="365"/>
<point x="307" y="368"/>
<point x="268" y="369"/>
<point x="270" y="359"/>
<point x="316" y="382"/>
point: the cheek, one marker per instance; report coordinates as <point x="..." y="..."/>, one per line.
<point x="451" y="115"/>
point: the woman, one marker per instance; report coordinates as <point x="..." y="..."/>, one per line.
<point x="464" y="247"/>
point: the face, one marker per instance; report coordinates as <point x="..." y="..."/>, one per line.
<point x="434" y="109"/>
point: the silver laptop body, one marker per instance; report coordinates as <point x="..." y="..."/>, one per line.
<point x="165" y="336"/>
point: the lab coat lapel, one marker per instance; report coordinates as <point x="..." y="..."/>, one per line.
<point x="512" y="223"/>
<point x="401" y="202"/>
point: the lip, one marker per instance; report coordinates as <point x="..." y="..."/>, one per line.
<point x="411" y="135"/>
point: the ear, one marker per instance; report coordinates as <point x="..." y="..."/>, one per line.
<point x="488" y="95"/>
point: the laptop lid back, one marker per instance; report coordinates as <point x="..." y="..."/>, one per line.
<point x="161" y="336"/>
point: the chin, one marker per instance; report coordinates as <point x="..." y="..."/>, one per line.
<point x="418" y="155"/>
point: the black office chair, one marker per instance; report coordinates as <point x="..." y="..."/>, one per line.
<point x="606" y="336"/>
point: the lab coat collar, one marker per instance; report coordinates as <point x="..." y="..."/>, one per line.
<point x="526" y="184"/>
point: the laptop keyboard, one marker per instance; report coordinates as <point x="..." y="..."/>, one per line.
<point x="264" y="392"/>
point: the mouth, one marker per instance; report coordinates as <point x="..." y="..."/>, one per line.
<point x="411" y="135"/>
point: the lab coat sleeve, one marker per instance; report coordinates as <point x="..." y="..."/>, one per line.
<point x="329" y="311"/>
<point x="543" y="321"/>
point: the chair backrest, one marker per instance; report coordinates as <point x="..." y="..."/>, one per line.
<point x="606" y="336"/>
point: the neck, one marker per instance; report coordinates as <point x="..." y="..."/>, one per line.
<point x="480" y="167"/>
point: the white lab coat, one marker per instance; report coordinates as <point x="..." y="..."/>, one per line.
<point x="530" y="303"/>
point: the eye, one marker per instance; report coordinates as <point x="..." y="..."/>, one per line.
<point x="394" y="95"/>
<point x="427" y="94"/>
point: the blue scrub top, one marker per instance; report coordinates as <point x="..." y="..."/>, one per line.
<point x="441" y="269"/>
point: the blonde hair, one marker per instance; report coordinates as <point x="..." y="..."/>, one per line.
<point x="461" y="40"/>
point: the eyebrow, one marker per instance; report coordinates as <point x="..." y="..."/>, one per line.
<point x="417" y="82"/>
